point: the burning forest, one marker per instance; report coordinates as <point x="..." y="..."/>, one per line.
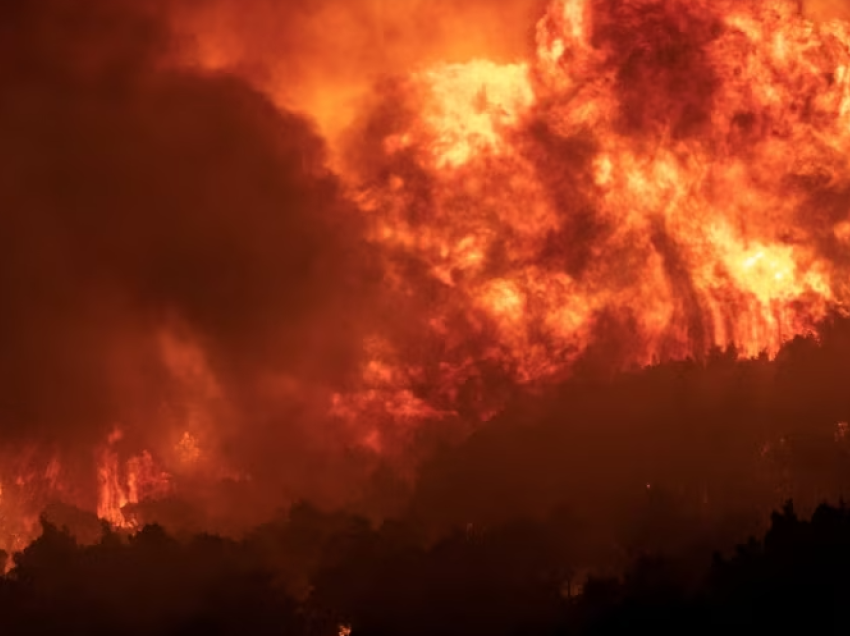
<point x="456" y="263"/>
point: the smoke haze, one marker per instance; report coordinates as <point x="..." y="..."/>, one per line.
<point x="169" y="237"/>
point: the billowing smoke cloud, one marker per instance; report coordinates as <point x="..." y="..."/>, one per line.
<point x="324" y="56"/>
<point x="139" y="201"/>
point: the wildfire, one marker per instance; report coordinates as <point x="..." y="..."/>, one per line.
<point x="672" y="172"/>
<point x="667" y="163"/>
<point x="126" y="483"/>
<point x="469" y="105"/>
<point x="673" y="165"/>
<point x="29" y="481"/>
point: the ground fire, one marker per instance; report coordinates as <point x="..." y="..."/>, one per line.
<point x="222" y="274"/>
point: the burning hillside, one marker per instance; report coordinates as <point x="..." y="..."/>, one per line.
<point x="669" y="172"/>
<point x="200" y="291"/>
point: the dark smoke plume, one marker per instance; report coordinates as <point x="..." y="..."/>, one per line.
<point x="136" y="196"/>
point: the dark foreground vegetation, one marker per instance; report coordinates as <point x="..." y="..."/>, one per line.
<point x="611" y="506"/>
<point x="134" y="194"/>
<point x="515" y="579"/>
<point x="663" y="471"/>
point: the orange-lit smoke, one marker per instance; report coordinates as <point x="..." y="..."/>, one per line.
<point x="673" y="171"/>
<point x="822" y="10"/>
<point x="177" y="263"/>
<point x="324" y="57"/>
<point x="646" y="179"/>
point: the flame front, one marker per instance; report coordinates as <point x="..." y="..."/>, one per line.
<point x="673" y="170"/>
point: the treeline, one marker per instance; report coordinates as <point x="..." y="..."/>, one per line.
<point x="514" y="579"/>
<point x="660" y="469"/>
<point x="721" y="435"/>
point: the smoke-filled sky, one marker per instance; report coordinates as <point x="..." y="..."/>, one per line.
<point x="175" y="252"/>
<point x="324" y="55"/>
<point x="138" y="193"/>
<point x="144" y="205"/>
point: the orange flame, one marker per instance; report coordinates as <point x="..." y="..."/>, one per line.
<point x="663" y="162"/>
<point x="131" y="482"/>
